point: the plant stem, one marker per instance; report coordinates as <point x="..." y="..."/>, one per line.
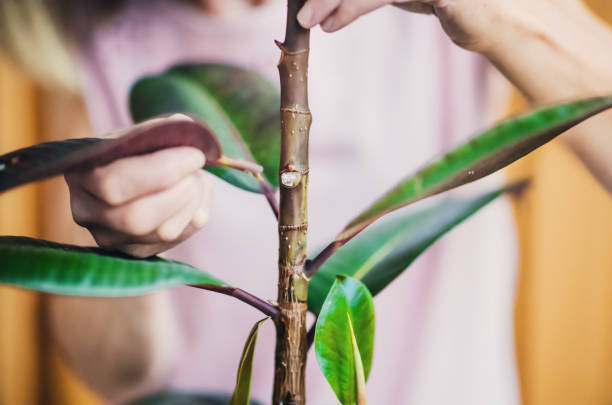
<point x="291" y="347"/>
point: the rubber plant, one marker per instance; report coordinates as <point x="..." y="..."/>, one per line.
<point x="236" y="123"/>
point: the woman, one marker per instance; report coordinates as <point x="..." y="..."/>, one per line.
<point x="356" y="127"/>
<point x="456" y="332"/>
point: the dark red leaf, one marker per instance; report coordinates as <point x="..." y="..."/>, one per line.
<point x="53" y="158"/>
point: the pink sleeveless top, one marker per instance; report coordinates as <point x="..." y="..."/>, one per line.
<point x="387" y="93"/>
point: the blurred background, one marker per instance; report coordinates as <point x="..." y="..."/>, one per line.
<point x="563" y="322"/>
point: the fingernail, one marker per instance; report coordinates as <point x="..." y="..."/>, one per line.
<point x="201" y="217"/>
<point x="195" y="158"/>
<point x="169" y="233"/>
<point x="304" y="17"/>
<point x="327" y="24"/>
<point x="180" y="117"/>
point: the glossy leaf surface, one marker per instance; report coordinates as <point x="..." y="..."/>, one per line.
<point x="382" y="252"/>
<point x="240" y="106"/>
<point x="242" y="392"/>
<point x="479" y="157"/>
<point x="64" y="269"/>
<point x="53" y="158"/>
<point x="187" y="398"/>
<point x="344" y="339"/>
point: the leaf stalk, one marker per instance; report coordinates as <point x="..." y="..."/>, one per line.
<point x="246" y="297"/>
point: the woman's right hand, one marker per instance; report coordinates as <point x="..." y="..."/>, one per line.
<point x="477" y="25"/>
<point x="143" y="205"/>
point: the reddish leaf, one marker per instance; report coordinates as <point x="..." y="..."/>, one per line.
<point x="53" y="158"/>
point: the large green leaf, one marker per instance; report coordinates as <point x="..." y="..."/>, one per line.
<point x="53" y="158"/>
<point x="382" y="252"/>
<point x="344" y="339"/>
<point x="242" y="392"/>
<point x="64" y="269"/>
<point x="240" y="106"/>
<point x="187" y="398"/>
<point x="479" y="157"/>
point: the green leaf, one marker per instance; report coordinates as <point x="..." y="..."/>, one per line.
<point x="344" y="339"/>
<point x="479" y="157"/>
<point x="64" y="269"/>
<point x="240" y="106"/>
<point x="242" y="392"/>
<point x="53" y="158"/>
<point x="379" y="254"/>
<point x="187" y="398"/>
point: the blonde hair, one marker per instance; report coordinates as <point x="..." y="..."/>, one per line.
<point x="41" y="35"/>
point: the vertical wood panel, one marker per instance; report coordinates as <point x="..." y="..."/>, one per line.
<point x="27" y="116"/>
<point x="62" y="115"/>
<point x="19" y="372"/>
<point x="564" y="302"/>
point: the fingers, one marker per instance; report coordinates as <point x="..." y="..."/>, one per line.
<point x="203" y="213"/>
<point x="174" y="226"/>
<point x="143" y="205"/>
<point x="140" y="216"/>
<point x="128" y="178"/>
<point x="315" y="11"/>
<point x="111" y="232"/>
<point x="335" y="14"/>
<point x="191" y="218"/>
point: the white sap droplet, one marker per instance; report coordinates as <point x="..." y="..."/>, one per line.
<point x="290" y="179"/>
<point x="471" y="173"/>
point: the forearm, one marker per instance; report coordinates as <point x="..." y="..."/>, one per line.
<point x="555" y="52"/>
<point x="561" y="55"/>
<point x="121" y="347"/>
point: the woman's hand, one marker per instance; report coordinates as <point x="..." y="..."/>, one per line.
<point x="143" y="205"/>
<point x="467" y="22"/>
<point x="551" y="50"/>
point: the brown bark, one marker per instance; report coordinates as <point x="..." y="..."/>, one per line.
<point x="291" y="345"/>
